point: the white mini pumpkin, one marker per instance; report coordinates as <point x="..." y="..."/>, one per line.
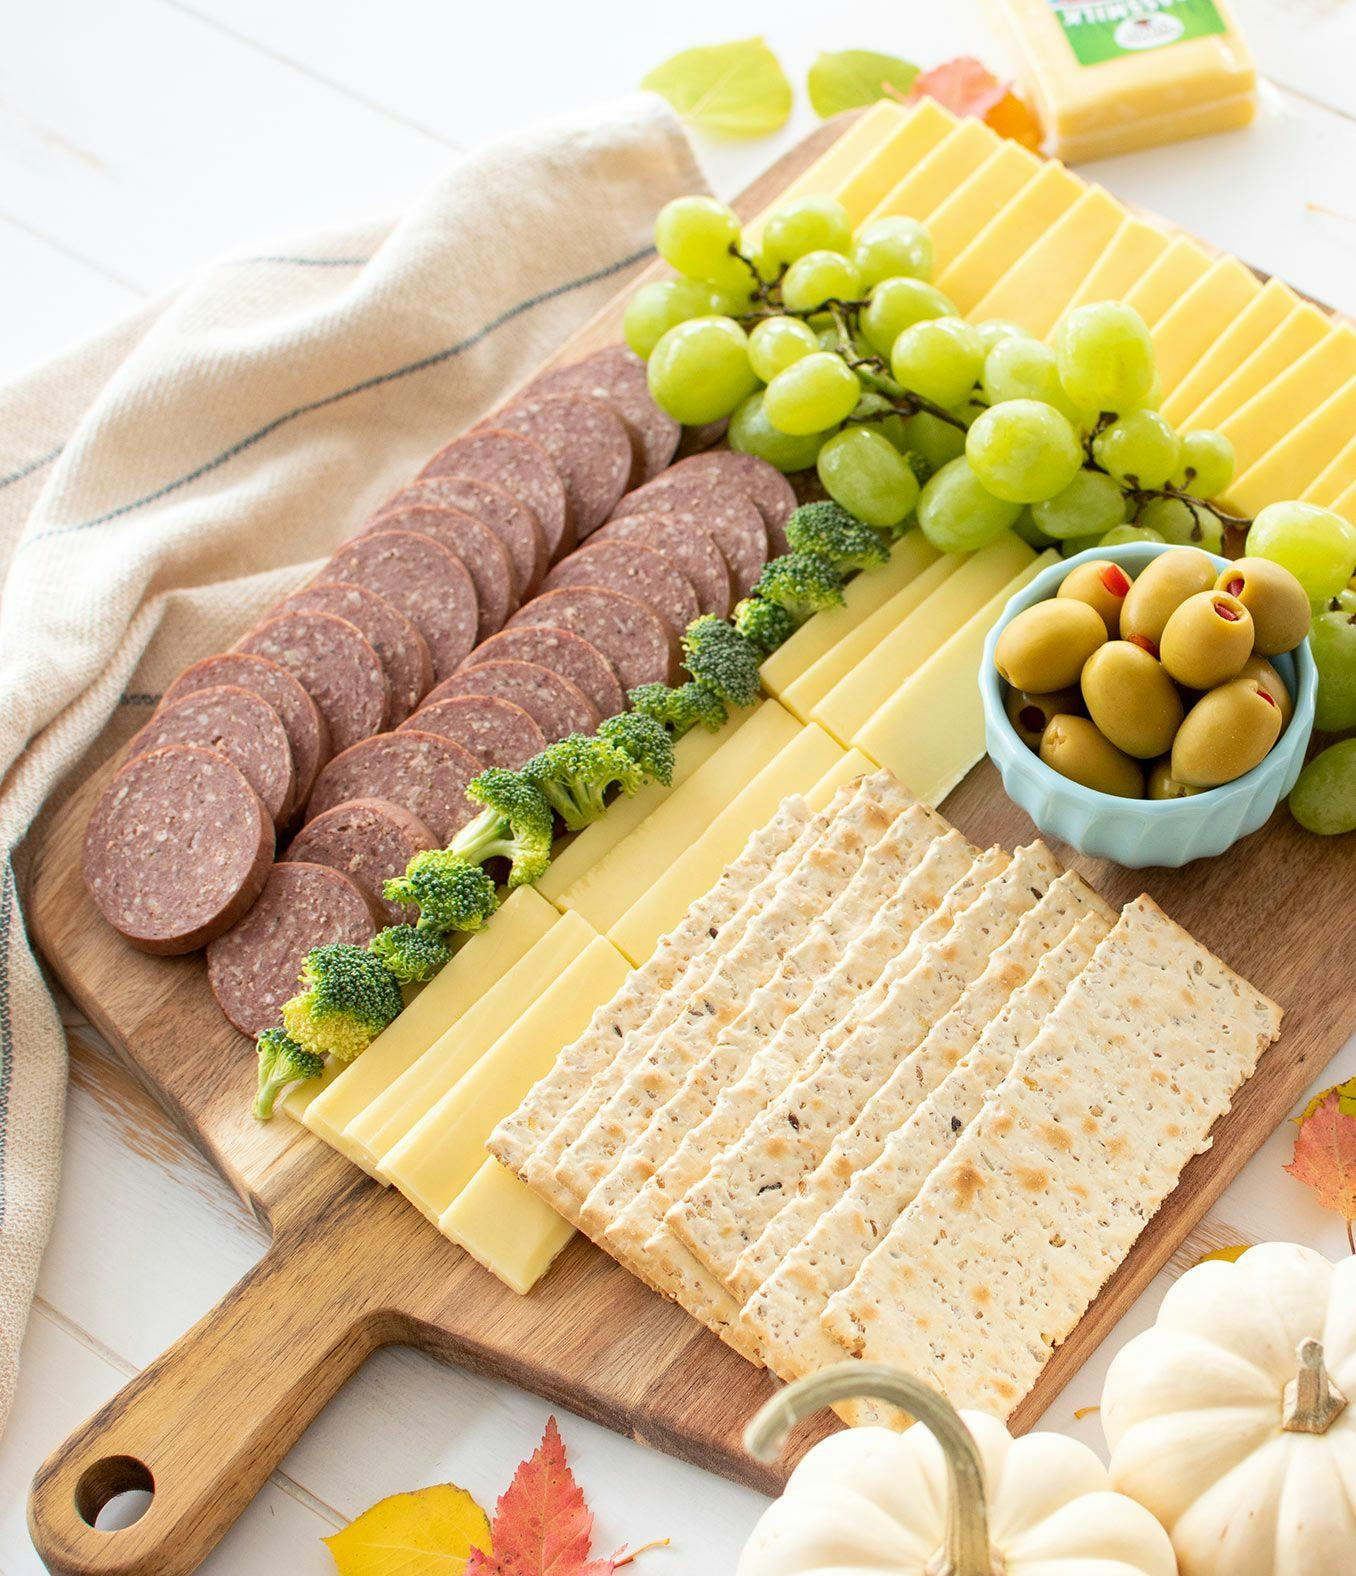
<point x="954" y="1495"/>
<point x="1228" y="1419"/>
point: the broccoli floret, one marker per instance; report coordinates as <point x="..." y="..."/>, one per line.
<point x="411" y="954"/>
<point x="764" y="623"/>
<point x="349" y="999"/>
<point x="281" y="1062"/>
<point x="575" y="773"/>
<point x="721" y="660"/>
<point x="828" y="530"/>
<point x="515" y="825"/>
<point x="452" y="893"/>
<point x="680" y="710"/>
<point x="644" y="740"/>
<point x="802" y="583"/>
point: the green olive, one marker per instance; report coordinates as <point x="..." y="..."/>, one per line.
<point x="1163" y="785"/>
<point x="1076" y="748"/>
<point x="1207" y="640"/>
<point x="1131" y="699"/>
<point x="1271" y="681"/>
<point x="1045" y="646"/>
<point x="1226" y="733"/>
<point x="1279" y="604"/>
<point x="1029" y="713"/>
<point x="1103" y="586"/>
<point x="1162" y="586"/>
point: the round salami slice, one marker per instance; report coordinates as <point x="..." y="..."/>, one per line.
<point x="420" y="577"/>
<point x="553" y="703"/>
<point x="696" y="440"/>
<point x="369" y="841"/>
<point x="235" y="723"/>
<point x="308" y="733"/>
<point x="685" y="545"/>
<point x="634" y="570"/>
<point x="764" y="483"/>
<point x="586" y="439"/>
<point x="178" y="848"/>
<point x="337" y="666"/>
<point x="633" y="637"/>
<point x="522" y="468"/>
<point x="568" y="655"/>
<point x="730" y="516"/>
<point x="420" y="772"/>
<point x="514" y="523"/>
<point x="254" y="968"/>
<point x="494" y="730"/>
<point x="486" y="558"/>
<point x="617" y="376"/>
<point x="402" y="649"/>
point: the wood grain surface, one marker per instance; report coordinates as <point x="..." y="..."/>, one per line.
<point x="353" y="1267"/>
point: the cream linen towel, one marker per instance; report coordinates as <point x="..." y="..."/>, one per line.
<point x="160" y="487"/>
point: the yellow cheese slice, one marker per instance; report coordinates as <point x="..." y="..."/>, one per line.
<point x="919" y="131"/>
<point x="1187" y="330"/>
<point x="506" y="1227"/>
<point x="383" y="1123"/>
<point x="844" y="770"/>
<point x="1292" y="397"/>
<point x="1260" y="318"/>
<point x="1038" y="288"/>
<point x="607" y="889"/>
<point x="978" y="267"/>
<point x="937" y="174"/>
<point x="446" y="1147"/>
<point x="980" y="198"/>
<point x="1334" y="479"/>
<point x="1289" y="467"/>
<point x="845" y="710"/>
<point x="1294" y="337"/>
<point x="1345" y="505"/>
<point x="1134" y="249"/>
<point x="1168" y="280"/>
<point x="862" y="596"/>
<point x="931" y="732"/>
<point x="860" y="144"/>
<point x="710" y="844"/>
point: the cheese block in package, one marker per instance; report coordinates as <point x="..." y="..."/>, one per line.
<point x="1109" y="78"/>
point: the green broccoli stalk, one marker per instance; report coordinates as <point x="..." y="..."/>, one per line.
<point x="764" y="623"/>
<point x="802" y="583"/>
<point x="829" y="531"/>
<point x="515" y="825"/>
<point x="452" y="893"/>
<point x="281" y="1062"/>
<point x="411" y="954"/>
<point x="680" y="710"/>
<point x="721" y="660"/>
<point x="575" y="774"/>
<point x="349" y="999"/>
<point x="645" y="741"/>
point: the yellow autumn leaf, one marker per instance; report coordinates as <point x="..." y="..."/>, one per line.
<point x="1224" y="1255"/>
<point x="429" y="1532"/>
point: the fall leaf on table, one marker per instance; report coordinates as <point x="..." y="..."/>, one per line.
<point x="966" y="86"/>
<point x="849" y="78"/>
<point x="1346" y="1101"/>
<point x="737" y="90"/>
<point x="1229" y="1255"/>
<point x="430" y="1532"/>
<point x="1325" y="1152"/>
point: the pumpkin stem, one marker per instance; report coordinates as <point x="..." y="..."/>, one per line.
<point x="966" y="1550"/>
<point x="1312" y="1400"/>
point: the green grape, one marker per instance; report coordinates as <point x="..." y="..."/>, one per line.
<point x="778" y="341"/>
<point x="695" y="235"/>
<point x="809" y="224"/>
<point x="892" y="248"/>
<point x="1124" y="535"/>
<point x="732" y="292"/>
<point x="897" y="304"/>
<point x="1324" y="798"/>
<point x="699" y="371"/>
<point x="1089" y="506"/>
<point x="1025" y="526"/>
<point x="1105" y="356"/>
<point x="816" y="392"/>
<point x="1071" y="546"/>
<point x="752" y="433"/>
<point x="863" y="471"/>
<point x="1205" y="465"/>
<point x="1333" y="643"/>
<point x="1317" y="546"/>
<point x="819" y="277"/>
<point x="883" y="419"/>
<point x="1139" y="450"/>
<point x="957" y="512"/>
<point x="939" y="359"/>
<point x="1024" y="368"/>
<point x="1023" y="451"/>
<point x="656" y="308"/>
<point x="993" y="330"/>
<point x="937" y="441"/>
<point x="1181" y="523"/>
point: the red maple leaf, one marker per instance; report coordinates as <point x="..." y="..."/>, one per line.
<point x="1325" y="1156"/>
<point x="966" y="86"/>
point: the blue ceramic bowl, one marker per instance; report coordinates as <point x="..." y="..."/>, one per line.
<point x="1139" y="832"/>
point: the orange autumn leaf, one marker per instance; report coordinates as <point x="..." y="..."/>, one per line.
<point x="1325" y="1156"/>
<point x="1229" y="1255"/>
<point x="966" y="86"/>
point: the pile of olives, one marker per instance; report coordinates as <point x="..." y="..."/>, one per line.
<point x="1158" y="687"/>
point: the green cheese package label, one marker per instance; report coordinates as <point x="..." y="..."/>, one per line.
<point x="1100" y="30"/>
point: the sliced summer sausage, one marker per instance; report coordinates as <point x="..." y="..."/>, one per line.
<point x="630" y="635"/>
<point x="369" y="841"/>
<point x="253" y="969"/>
<point x="553" y="703"/>
<point x="568" y="655"/>
<point x="588" y="442"/>
<point x="403" y="650"/>
<point x="525" y="471"/>
<point x="696" y="440"/>
<point x="686" y="545"/>
<point x="177" y="849"/>
<point x="486" y="558"/>
<point x="421" y="772"/>
<point x="731" y="516"/>
<point x="634" y="570"/>
<point x="513" y="522"/>
<point x="497" y="732"/>
<point x="764" y="483"/>
<point x="616" y="375"/>
<point x="337" y="666"/>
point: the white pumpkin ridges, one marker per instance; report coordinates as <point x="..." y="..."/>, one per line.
<point x="729" y="1209"/>
<point x="1013" y="1235"/>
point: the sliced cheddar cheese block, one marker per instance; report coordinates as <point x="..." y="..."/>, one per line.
<point x="1345" y="504"/>
<point x="505" y="1226"/>
<point x="1293" y="464"/>
<point x="937" y="174"/>
<point x="1168" y="280"/>
<point x="994" y="249"/>
<point x="847" y="768"/>
<point x="1134" y="249"/>
<point x="1260" y="318"/>
<point x="1334" y="479"/>
<point x="1188" y="329"/>
<point x="1292" y="396"/>
<point x="918" y="132"/>
<point x="980" y="198"/>
<point x="1298" y="333"/>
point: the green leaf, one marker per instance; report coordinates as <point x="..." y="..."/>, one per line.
<point x="736" y="90"/>
<point x="853" y="77"/>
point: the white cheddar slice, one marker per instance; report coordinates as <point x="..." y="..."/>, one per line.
<point x="845" y="769"/>
<point x="980" y="198"/>
<point x="860" y="144"/>
<point x="1134" y="249"/>
<point x="506" y="1227"/>
<point x="1292" y="397"/>
<point x="1345" y="504"/>
<point x="1334" y="479"/>
<point x="1259" y="319"/>
<point x="995" y="248"/>
<point x="1299" y="332"/>
<point x="932" y="180"/>
<point x="918" y="133"/>
<point x="1169" y="279"/>
<point x="1295" y="463"/>
<point x="1188" y="329"/>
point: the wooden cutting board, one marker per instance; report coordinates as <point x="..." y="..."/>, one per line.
<point x="353" y="1267"/>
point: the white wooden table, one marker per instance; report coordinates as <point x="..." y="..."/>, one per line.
<point x="140" y="137"/>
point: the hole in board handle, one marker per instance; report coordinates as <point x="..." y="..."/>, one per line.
<point x="114" y="1493"/>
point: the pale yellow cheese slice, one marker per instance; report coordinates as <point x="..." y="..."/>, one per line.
<point x="1260" y="318"/>
<point x="1294" y="463"/>
<point x="1297" y="334"/>
<point x="1292" y="396"/>
<point x="1334" y="479"/>
<point x="937" y="174"/>
<point x="1168" y="280"/>
<point x="845" y="769"/>
<point x="1134" y="249"/>
<point x="1188" y="329"/>
<point x="861" y="144"/>
<point x="995" y="248"/>
<point x="897" y="151"/>
<point x="1345" y="504"/>
<point x="505" y="1226"/>
<point x="980" y="198"/>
